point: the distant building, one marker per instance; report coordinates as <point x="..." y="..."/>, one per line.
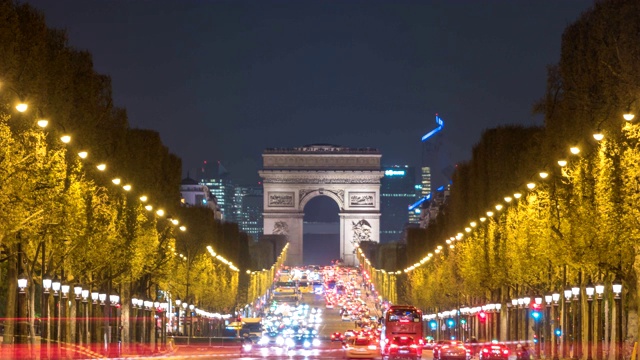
<point x="224" y="192"/>
<point x="433" y="207"/>
<point x="397" y="192"/>
<point x="248" y="206"/>
<point x="195" y="194"/>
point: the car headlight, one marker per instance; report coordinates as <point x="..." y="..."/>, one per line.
<point x="316" y="342"/>
<point x="289" y="342"/>
<point x="279" y="340"/>
<point x="263" y="340"/>
<point x="306" y="343"/>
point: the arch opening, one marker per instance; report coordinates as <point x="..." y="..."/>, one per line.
<point x="321" y="231"/>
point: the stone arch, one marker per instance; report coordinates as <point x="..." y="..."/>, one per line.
<point x="350" y="177"/>
<point x="334" y="195"/>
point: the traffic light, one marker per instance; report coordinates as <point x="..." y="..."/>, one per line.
<point x="558" y="332"/>
<point x="433" y="324"/>
<point x="482" y="316"/>
<point x="463" y="321"/>
<point x="536" y="315"/>
<point x="451" y="323"/>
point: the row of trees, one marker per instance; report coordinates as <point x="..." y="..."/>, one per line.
<point x="579" y="225"/>
<point x="62" y="217"/>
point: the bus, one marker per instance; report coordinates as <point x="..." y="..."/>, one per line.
<point x="401" y="335"/>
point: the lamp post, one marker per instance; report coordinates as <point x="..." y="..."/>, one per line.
<point x="184" y="324"/>
<point x="576" y="323"/>
<point x="514" y="333"/>
<point x="565" y="330"/>
<point x="77" y="290"/>
<point x="536" y="324"/>
<point x="600" y="328"/>
<point x="114" y="300"/>
<point x="556" y="315"/>
<point x="64" y="303"/>
<point x="590" y="290"/>
<point x="104" y="338"/>
<point x="191" y="307"/>
<point x="44" y="341"/>
<point x="94" y="336"/>
<point x="178" y="302"/>
<point x="154" y="313"/>
<point x="22" y="314"/>
<point x="617" y="290"/>
<point x="55" y="286"/>
<point x="548" y="331"/>
<point x="85" y="320"/>
<point x="134" y="316"/>
<point x="526" y="301"/>
<point x="498" y="313"/>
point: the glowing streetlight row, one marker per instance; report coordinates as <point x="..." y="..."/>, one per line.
<point x="574" y="150"/>
<point x="221" y="259"/>
<point x="66" y="139"/>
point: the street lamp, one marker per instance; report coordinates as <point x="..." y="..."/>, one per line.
<point x="514" y="304"/>
<point x="617" y="289"/>
<point x="548" y="332"/>
<point x="85" y="326"/>
<point x="590" y="290"/>
<point x="77" y="290"/>
<point x="565" y="330"/>
<point x="178" y="302"/>
<point x="577" y="353"/>
<point x="599" y="292"/>
<point x="554" y="334"/>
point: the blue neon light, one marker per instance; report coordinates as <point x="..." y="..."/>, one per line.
<point x="440" y="123"/>
<point x="417" y="203"/>
<point x="441" y="188"/>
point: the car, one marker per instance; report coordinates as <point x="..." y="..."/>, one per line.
<point x="337" y="336"/>
<point x="329" y="305"/>
<point x="361" y="348"/>
<point x="454" y="351"/>
<point x="494" y="351"/>
<point x="428" y="343"/>
<point x="436" y="348"/>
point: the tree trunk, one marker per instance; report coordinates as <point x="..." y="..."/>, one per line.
<point x="12" y="286"/>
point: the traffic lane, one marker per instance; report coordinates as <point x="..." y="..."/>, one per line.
<point x="331" y="319"/>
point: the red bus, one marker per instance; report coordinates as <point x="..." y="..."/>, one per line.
<point x="401" y="335"/>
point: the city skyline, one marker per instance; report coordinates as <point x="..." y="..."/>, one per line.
<point x="245" y="76"/>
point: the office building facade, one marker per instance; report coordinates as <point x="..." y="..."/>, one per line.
<point x="397" y="192"/>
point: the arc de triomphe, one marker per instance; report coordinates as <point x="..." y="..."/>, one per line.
<point x="351" y="177"/>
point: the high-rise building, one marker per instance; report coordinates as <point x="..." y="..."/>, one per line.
<point x="194" y="194"/>
<point x="397" y="192"/>
<point x="248" y="208"/>
<point x="431" y="169"/>
<point x="223" y="190"/>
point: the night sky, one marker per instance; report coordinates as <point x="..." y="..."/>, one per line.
<point x="222" y="80"/>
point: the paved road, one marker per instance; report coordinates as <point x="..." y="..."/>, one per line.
<point x="329" y="350"/>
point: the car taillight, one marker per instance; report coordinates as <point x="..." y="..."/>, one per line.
<point x="371" y="347"/>
<point x="386" y="340"/>
<point x="413" y="346"/>
<point x="394" y="345"/>
<point x="485" y="350"/>
<point x="505" y="351"/>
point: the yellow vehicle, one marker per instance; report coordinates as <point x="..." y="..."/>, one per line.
<point x="304" y="287"/>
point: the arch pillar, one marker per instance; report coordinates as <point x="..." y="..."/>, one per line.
<point x="290" y="225"/>
<point x="354" y="228"/>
